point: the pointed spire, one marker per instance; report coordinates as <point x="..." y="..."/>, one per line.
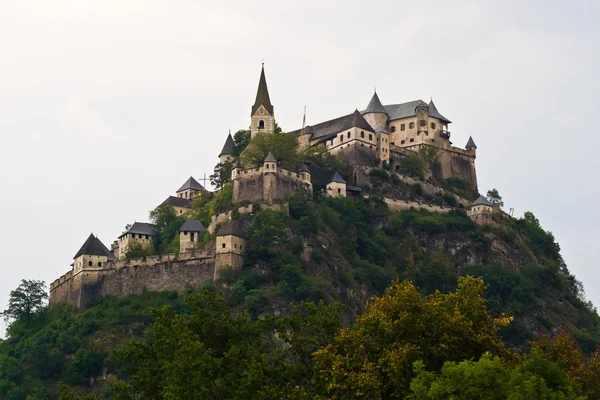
<point x="262" y="94"/>
<point x="375" y="105"/>
<point x="433" y="111"/>
<point x="229" y="147"/>
<point x="270" y="158"/>
<point x="432" y="106"/>
<point x="470" y="143"/>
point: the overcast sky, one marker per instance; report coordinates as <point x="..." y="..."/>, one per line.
<point x="107" y="107"/>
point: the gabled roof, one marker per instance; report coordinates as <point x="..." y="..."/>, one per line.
<point x="303" y="168"/>
<point x="192" y="226"/>
<point x="337" y="178"/>
<point x="380" y="129"/>
<point x="191" y="184"/>
<point x="433" y="112"/>
<point x="177" y="202"/>
<point x="93" y="247"/>
<point x="229" y="147"/>
<point x="262" y="94"/>
<point x="231" y="228"/>
<point x="329" y="129"/>
<point x="141" y="228"/>
<point x="375" y="106"/>
<point x="481" y="200"/>
<point x="470" y="143"/>
<point x="270" y="158"/>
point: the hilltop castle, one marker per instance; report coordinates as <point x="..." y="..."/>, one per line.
<point x="380" y="135"/>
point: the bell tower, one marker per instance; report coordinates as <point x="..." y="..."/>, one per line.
<point x="262" y="116"/>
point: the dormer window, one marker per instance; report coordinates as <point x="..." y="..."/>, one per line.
<point x="261" y="124"/>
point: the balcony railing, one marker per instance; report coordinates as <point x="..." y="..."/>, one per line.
<point x="445" y="134"/>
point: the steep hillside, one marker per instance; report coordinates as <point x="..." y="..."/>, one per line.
<point x="330" y="249"/>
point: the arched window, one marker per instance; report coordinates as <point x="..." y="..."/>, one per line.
<point x="433" y="125"/>
<point x="261" y="124"/>
<point x="411" y="125"/>
<point x="393" y="129"/>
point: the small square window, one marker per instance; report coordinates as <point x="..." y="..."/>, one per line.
<point x="403" y="127"/>
<point x="412" y="140"/>
<point x="99" y="264"/>
<point x="339" y="190"/>
<point x="402" y="142"/>
<point x="89" y="263"/>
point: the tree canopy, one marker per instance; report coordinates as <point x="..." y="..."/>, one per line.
<point x="29" y="297"/>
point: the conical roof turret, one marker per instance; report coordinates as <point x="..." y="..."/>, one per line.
<point x="433" y="111"/>
<point x="262" y="94"/>
<point x="471" y="143"/>
<point x="375" y="106"/>
<point x="229" y="147"/>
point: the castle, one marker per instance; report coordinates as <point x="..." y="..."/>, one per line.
<point x="380" y="135"/>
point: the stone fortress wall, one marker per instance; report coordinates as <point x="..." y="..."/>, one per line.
<point x="120" y="278"/>
<point x="267" y="184"/>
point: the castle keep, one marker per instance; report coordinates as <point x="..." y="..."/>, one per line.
<point x="380" y="135"/>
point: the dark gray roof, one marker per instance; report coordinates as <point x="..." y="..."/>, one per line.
<point x="177" y="202"/>
<point x="481" y="200"/>
<point x="192" y="226"/>
<point x="270" y="158"/>
<point x="262" y="94"/>
<point x="470" y="143"/>
<point x="231" y="227"/>
<point x="433" y="112"/>
<point x="229" y="147"/>
<point x="191" y="184"/>
<point x="380" y="129"/>
<point x="353" y="188"/>
<point x="328" y="129"/>
<point x="375" y="105"/>
<point x="337" y="178"/>
<point x="93" y="247"/>
<point x="303" y="168"/>
<point x="141" y="228"/>
<point x="405" y="110"/>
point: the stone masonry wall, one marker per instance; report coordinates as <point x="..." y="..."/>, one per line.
<point x="92" y="284"/>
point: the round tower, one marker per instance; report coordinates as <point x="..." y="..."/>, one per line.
<point x="375" y="113"/>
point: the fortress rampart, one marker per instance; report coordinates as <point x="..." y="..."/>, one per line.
<point x="122" y="278"/>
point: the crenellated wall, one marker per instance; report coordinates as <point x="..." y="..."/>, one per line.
<point x="121" y="278"/>
<point x="267" y="185"/>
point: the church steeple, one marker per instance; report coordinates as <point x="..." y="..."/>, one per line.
<point x="263" y="115"/>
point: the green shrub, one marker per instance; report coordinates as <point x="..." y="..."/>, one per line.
<point x="450" y="199"/>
